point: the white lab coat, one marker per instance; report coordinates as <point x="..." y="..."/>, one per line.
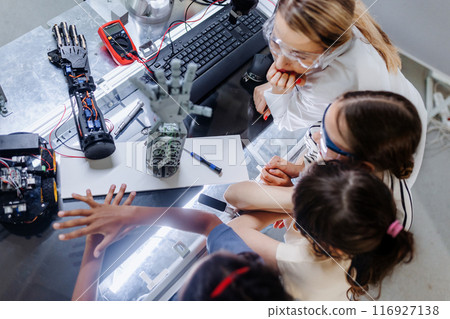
<point x="356" y="66"/>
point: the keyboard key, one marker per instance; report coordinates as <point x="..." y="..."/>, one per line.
<point x="226" y="34"/>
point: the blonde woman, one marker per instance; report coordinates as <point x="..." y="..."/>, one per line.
<point x="322" y="49"/>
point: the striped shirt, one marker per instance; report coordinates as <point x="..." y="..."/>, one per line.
<point x="399" y="187"/>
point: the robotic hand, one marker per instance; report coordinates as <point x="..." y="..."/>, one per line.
<point x="71" y="55"/>
<point x="241" y="7"/>
<point x="170" y="100"/>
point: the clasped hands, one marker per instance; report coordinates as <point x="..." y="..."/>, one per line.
<point x="279" y="172"/>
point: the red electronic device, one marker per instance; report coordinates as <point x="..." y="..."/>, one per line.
<point x="117" y="41"/>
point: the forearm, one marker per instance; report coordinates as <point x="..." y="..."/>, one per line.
<point x="249" y="227"/>
<point x="251" y="195"/>
<point x="87" y="280"/>
<point x="190" y="220"/>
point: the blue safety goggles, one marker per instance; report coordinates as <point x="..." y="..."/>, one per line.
<point x="327" y="143"/>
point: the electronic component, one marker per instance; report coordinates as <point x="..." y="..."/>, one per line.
<point x="117" y="41"/>
<point x="19" y="144"/>
<point x="28" y="192"/>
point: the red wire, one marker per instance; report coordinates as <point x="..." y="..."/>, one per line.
<point x="272" y="3"/>
<point x="50" y="137"/>
<point x="178" y="23"/>
<point x="162" y="41"/>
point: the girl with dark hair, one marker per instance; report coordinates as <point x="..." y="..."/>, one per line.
<point x="322" y="49"/>
<point x="232" y="271"/>
<point x="344" y="238"/>
<point x="347" y="215"/>
<point x="223" y="276"/>
<point x="374" y="129"/>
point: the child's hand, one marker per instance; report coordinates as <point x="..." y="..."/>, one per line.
<point x="275" y="177"/>
<point x="105" y="223"/>
<point x="283" y="82"/>
<point x="279" y="172"/>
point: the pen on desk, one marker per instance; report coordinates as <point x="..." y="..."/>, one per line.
<point x="215" y="168"/>
<point x="129" y="117"/>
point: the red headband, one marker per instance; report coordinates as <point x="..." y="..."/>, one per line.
<point x="228" y="280"/>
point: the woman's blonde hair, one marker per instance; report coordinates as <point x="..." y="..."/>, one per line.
<point x="328" y="23"/>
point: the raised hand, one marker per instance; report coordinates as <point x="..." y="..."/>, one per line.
<point x="108" y="219"/>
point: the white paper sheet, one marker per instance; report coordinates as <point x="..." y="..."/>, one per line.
<point x="127" y="165"/>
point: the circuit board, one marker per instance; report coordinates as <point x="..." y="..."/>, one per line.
<point x="27" y="187"/>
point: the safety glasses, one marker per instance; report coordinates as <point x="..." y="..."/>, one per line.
<point x="327" y="144"/>
<point x="307" y="60"/>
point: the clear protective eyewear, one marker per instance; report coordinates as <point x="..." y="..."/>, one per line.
<point x="327" y="144"/>
<point x="307" y="60"/>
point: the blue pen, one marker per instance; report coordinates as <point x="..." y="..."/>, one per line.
<point x="217" y="169"/>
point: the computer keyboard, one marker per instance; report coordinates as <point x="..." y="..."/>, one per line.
<point x="217" y="46"/>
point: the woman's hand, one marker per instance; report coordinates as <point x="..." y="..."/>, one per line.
<point x="279" y="172"/>
<point x="107" y="219"/>
<point x="283" y="82"/>
<point x="258" y="97"/>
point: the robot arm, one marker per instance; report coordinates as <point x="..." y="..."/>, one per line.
<point x="72" y="57"/>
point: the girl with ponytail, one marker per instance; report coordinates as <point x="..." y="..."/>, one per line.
<point x="352" y="221"/>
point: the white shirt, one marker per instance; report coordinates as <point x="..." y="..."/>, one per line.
<point x="306" y="276"/>
<point x="356" y="66"/>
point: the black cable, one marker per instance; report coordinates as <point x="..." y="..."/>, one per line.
<point x="61" y="140"/>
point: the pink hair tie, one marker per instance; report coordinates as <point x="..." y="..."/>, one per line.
<point x="394" y="229"/>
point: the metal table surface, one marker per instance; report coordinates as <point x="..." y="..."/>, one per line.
<point x="41" y="267"/>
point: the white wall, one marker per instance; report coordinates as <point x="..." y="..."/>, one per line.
<point x="420" y="28"/>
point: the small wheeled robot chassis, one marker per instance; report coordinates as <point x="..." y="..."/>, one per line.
<point x="28" y="190"/>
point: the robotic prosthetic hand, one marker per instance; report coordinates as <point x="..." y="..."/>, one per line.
<point x="170" y="100"/>
<point x="71" y="55"/>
